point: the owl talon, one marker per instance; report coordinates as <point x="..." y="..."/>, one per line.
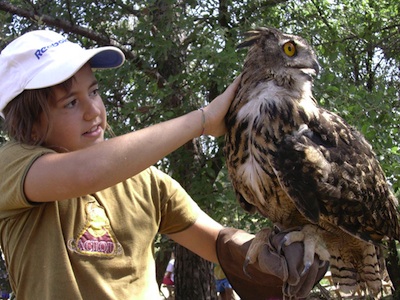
<point x="245" y="264"/>
<point x="280" y="245"/>
<point x="323" y="263"/>
<point x="307" y="266"/>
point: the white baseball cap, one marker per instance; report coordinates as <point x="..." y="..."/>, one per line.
<point x="44" y="58"/>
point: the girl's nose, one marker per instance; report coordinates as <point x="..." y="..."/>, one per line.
<point x="92" y="109"/>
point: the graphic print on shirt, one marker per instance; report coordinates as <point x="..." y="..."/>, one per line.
<point x="96" y="238"/>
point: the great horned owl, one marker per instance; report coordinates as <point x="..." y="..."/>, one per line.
<point x="299" y="164"/>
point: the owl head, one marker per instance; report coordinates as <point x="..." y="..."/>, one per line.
<point x="279" y="53"/>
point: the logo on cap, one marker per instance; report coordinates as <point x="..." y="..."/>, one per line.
<point x="41" y="51"/>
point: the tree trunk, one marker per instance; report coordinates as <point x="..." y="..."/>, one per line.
<point x="392" y="265"/>
<point x="194" y="277"/>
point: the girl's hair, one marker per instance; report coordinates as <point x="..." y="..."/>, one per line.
<point x="25" y="110"/>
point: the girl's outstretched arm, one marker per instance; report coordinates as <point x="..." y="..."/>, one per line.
<point x="60" y="176"/>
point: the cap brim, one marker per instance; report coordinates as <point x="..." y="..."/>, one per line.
<point x="108" y="57"/>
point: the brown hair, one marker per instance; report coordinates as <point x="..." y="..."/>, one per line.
<point x="25" y="110"/>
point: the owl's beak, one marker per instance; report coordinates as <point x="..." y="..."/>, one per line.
<point x="316" y="67"/>
<point x="312" y="70"/>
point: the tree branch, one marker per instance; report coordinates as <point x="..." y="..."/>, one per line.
<point x="62" y="24"/>
<point x="67" y="26"/>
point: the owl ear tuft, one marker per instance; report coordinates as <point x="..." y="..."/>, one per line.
<point x="251" y="38"/>
<point x="247" y="43"/>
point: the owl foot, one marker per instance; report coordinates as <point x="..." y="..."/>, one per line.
<point x="313" y="244"/>
<point x="271" y="252"/>
<point x="259" y="241"/>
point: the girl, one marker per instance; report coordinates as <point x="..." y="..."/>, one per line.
<point x="78" y="214"/>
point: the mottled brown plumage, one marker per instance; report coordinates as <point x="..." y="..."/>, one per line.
<point x="299" y="164"/>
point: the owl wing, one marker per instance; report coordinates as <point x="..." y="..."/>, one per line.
<point x="329" y="170"/>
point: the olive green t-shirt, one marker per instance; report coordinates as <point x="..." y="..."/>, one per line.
<point x="99" y="246"/>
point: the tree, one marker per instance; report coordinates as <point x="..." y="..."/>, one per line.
<point x="181" y="54"/>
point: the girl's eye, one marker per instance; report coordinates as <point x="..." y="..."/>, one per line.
<point x="71" y="104"/>
<point x="289" y="48"/>
<point x="94" y="92"/>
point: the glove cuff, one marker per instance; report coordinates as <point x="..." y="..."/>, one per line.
<point x="232" y="245"/>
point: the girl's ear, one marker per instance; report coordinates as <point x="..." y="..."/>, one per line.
<point x="35" y="133"/>
<point x="39" y="130"/>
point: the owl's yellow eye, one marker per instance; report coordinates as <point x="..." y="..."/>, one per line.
<point x="289" y="48"/>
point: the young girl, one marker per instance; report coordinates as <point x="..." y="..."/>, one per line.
<point x="78" y="214"/>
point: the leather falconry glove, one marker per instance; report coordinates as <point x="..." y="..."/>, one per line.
<point x="277" y="271"/>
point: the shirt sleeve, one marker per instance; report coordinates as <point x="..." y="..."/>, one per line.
<point x="178" y="210"/>
<point x="15" y="161"/>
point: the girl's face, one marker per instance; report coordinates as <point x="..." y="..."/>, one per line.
<point x="77" y="118"/>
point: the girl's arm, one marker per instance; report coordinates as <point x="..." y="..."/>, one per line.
<point x="201" y="237"/>
<point x="60" y="176"/>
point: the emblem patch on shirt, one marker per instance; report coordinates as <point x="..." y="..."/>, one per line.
<point x="97" y="238"/>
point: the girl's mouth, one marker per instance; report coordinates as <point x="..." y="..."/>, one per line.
<point x="94" y="131"/>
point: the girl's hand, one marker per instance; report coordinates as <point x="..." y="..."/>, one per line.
<point x="215" y="112"/>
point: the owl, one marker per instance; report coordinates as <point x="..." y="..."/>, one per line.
<point x="299" y="164"/>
